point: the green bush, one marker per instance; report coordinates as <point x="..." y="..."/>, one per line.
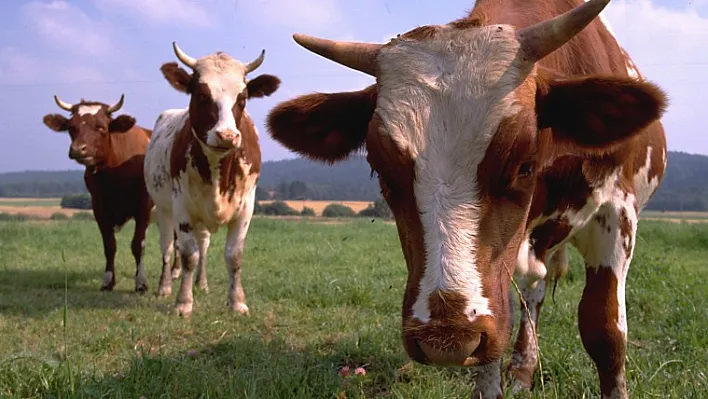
<point x="279" y="208"/>
<point x="307" y="211"/>
<point x="76" y="201"/>
<point x="338" y="211"/>
<point x="58" y="216"/>
<point x="82" y="216"/>
<point x="257" y="208"/>
<point x="378" y="209"/>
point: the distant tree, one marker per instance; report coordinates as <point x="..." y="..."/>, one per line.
<point x="307" y="211"/>
<point x="82" y="216"/>
<point x="262" y="194"/>
<point x="76" y="201"/>
<point x="297" y="190"/>
<point x="338" y="211"/>
<point x="378" y="209"/>
<point x="58" y="216"/>
<point x="257" y="208"/>
<point x="279" y="208"/>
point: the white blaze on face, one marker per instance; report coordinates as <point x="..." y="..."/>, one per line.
<point x="442" y="99"/>
<point x="88" y="109"/>
<point x="225" y="78"/>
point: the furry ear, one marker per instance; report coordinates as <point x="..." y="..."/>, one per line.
<point x="121" y="124"/>
<point x="324" y="126"/>
<point x="263" y="85"/>
<point x="598" y="112"/>
<point x="176" y="76"/>
<point x="56" y="122"/>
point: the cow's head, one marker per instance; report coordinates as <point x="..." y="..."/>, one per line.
<point x="458" y="124"/>
<point x="218" y="90"/>
<point x="90" y="126"/>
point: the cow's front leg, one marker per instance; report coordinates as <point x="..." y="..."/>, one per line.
<point x="233" y="254"/>
<point x="487" y="381"/>
<point x="168" y="242"/>
<point x="189" y="253"/>
<point x="109" y="250"/>
<point x="203" y="239"/>
<point x="138" y="248"/>
<point x="176" y="267"/>
<point x="607" y="244"/>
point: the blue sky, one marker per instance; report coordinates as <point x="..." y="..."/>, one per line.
<point x="98" y="49"/>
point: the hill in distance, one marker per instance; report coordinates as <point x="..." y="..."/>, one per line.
<point x="685" y="186"/>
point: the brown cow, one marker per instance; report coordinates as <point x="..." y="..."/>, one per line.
<point x="497" y="139"/>
<point x="202" y="167"/>
<point x="113" y="151"/>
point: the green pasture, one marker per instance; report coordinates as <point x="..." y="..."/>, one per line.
<point x="322" y="296"/>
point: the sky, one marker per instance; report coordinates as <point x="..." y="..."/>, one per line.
<point x="98" y="49"/>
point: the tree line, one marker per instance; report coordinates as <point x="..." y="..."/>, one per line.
<point x="684" y="188"/>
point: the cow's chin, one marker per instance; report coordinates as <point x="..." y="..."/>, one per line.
<point x="86" y="161"/>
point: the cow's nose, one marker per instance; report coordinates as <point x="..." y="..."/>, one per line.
<point x="77" y="151"/>
<point x="459" y="354"/>
<point x="228" y="138"/>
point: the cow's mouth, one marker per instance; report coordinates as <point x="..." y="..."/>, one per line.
<point x="86" y="161"/>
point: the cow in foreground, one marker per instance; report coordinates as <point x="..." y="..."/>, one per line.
<point x="112" y="149"/>
<point x="202" y="166"/>
<point x="497" y="139"/>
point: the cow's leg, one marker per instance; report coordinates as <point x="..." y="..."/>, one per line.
<point x="233" y="254"/>
<point x="109" y="250"/>
<point x="137" y="246"/>
<point x="524" y="358"/>
<point x="487" y="381"/>
<point x="168" y="237"/>
<point x="203" y="239"/>
<point x="176" y="267"/>
<point x="607" y="244"/>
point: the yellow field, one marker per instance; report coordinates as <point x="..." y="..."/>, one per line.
<point x="319" y="206"/>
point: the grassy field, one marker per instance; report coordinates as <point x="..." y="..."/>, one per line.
<point x="322" y="296"/>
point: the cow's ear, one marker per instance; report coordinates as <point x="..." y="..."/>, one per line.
<point x="176" y="76"/>
<point x="56" y="122"/>
<point x="263" y="85"/>
<point x="324" y="126"/>
<point x="121" y="124"/>
<point x="594" y="114"/>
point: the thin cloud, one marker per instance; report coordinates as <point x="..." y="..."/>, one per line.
<point x="66" y="25"/>
<point x="177" y="12"/>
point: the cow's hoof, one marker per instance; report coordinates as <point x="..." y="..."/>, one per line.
<point x="108" y="282"/>
<point x="141" y="288"/>
<point x="240" y="308"/>
<point x="107" y="287"/>
<point x="164" y="291"/>
<point x="203" y="286"/>
<point x="183" y="309"/>
<point x="176" y="273"/>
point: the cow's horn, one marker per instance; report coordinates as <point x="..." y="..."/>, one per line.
<point x="182" y="56"/>
<point x="62" y="104"/>
<point x="359" y="56"/>
<point x="251" y="66"/>
<point x="118" y="105"/>
<point x="539" y="40"/>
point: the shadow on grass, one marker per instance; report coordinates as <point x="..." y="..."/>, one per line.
<point x="245" y="366"/>
<point x="34" y="293"/>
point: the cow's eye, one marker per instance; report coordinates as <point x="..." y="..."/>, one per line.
<point x="526" y="169"/>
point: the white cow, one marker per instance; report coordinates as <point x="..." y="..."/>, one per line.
<point x="202" y="166"/>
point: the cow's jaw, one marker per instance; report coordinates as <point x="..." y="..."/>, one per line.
<point x="441" y="100"/>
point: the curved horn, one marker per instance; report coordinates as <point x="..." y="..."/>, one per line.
<point x="62" y="104"/>
<point x="539" y="40"/>
<point x="251" y="66"/>
<point x="359" y="56"/>
<point x="182" y="56"/>
<point x="117" y="106"/>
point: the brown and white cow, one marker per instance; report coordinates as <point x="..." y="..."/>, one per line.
<point x="202" y="166"/>
<point x="497" y="139"/>
<point x="113" y="150"/>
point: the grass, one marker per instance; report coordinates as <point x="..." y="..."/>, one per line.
<point x="321" y="296"/>
<point x="21" y="202"/>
